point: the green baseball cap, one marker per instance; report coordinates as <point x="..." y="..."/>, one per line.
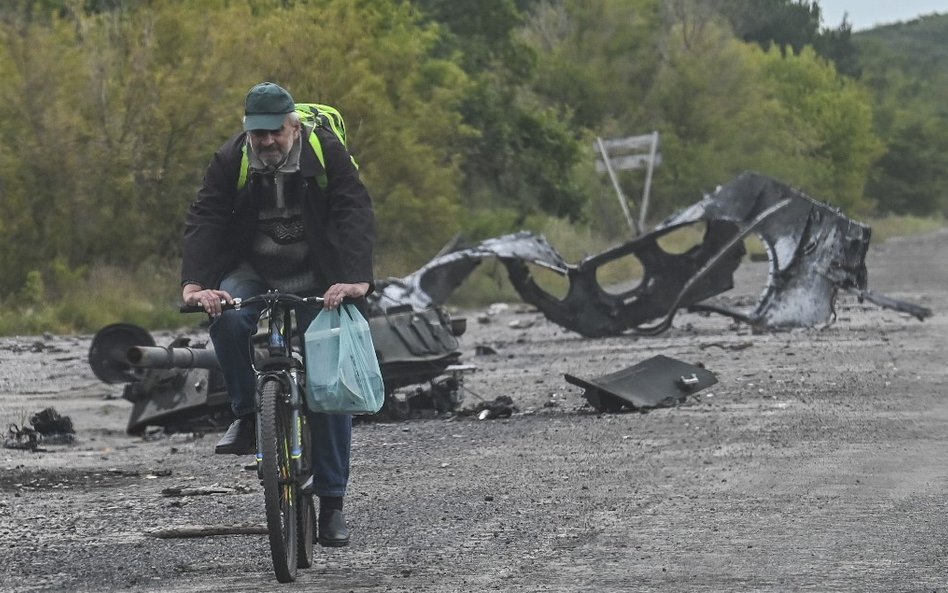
<point x="266" y="107"/>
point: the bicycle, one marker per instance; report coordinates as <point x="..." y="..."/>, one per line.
<point x="283" y="438"/>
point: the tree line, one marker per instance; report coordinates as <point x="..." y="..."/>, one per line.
<point x="466" y="116"/>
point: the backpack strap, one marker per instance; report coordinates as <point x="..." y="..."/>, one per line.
<point x="244" y="168"/>
<point x="321" y="180"/>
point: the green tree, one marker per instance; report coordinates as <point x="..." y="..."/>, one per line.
<point x="791" y="25"/>
<point x="836" y="113"/>
<point x="596" y="58"/>
<point x="726" y="106"/>
<point x="123" y="108"/>
<point x="906" y="66"/>
<point x="522" y="157"/>
<point x="912" y="176"/>
<point x="718" y="116"/>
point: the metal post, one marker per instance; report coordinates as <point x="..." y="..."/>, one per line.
<point x="648" y="179"/>
<point x="615" y="183"/>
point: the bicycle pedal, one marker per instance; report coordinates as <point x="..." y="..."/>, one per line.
<point x="307" y="487"/>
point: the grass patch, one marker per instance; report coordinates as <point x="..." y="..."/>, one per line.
<point x="903" y="226"/>
<point x="85" y="302"/>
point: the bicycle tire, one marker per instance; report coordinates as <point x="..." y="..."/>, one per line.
<point x="280" y="488"/>
<point x="306" y="531"/>
<point x="306" y="524"/>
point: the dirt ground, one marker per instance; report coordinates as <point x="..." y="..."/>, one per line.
<point x="817" y="463"/>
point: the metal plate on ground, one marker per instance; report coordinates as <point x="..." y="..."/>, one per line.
<point x="657" y="382"/>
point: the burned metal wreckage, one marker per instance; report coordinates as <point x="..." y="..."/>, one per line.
<point x="813" y="251"/>
<point x="181" y="388"/>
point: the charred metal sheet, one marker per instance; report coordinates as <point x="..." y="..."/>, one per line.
<point x="657" y="382"/>
<point x="813" y="252"/>
<point x="813" y="249"/>
<point x="434" y="282"/>
<point x="590" y="310"/>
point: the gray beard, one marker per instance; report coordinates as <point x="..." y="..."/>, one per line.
<point x="289" y="163"/>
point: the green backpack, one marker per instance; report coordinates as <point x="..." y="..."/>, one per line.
<point x="316" y="115"/>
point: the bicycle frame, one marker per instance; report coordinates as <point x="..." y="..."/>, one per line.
<point x="282" y="366"/>
<point x="283" y="432"/>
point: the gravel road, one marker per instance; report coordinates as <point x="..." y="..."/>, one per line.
<point x="817" y="463"/>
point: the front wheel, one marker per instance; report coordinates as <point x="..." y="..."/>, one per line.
<point x="280" y="489"/>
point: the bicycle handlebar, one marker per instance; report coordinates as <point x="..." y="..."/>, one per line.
<point x="272" y="297"/>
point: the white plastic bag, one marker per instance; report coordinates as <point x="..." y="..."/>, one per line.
<point x="342" y="369"/>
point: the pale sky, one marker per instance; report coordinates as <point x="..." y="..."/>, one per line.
<point x="865" y="14"/>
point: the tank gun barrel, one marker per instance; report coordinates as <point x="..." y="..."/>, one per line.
<point x="158" y="357"/>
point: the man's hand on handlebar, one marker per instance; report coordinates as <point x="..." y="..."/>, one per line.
<point x="206" y="298"/>
<point x="337" y="292"/>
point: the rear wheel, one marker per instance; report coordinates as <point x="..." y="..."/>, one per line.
<point x="280" y="489"/>
<point x="306" y="517"/>
<point x="306" y="531"/>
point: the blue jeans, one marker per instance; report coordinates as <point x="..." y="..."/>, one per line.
<point x="230" y="333"/>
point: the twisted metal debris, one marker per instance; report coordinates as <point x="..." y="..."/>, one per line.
<point x="813" y="249"/>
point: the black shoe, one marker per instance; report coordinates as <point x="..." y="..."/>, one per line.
<point x="239" y="439"/>
<point x="333" y="531"/>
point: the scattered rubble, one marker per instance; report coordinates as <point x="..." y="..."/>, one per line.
<point x="47" y="427"/>
<point x="500" y="407"/>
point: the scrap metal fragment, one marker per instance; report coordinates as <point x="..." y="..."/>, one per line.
<point x="48" y="427"/>
<point x="501" y="406"/>
<point x="813" y="249"/>
<point x="442" y="395"/>
<point x="657" y="382"/>
<point x="414" y="346"/>
<point x="916" y="311"/>
<point x="434" y="282"/>
<point x="49" y="423"/>
<point x="24" y="438"/>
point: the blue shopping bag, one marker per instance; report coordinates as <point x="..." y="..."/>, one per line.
<point x="342" y="369"/>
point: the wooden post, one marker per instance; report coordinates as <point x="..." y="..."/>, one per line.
<point x="615" y="184"/>
<point x="648" y="179"/>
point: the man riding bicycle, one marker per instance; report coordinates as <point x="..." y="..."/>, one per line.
<point x="299" y="224"/>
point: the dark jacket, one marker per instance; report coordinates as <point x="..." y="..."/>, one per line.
<point x="339" y="222"/>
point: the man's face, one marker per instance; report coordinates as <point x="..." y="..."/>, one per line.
<point x="273" y="146"/>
